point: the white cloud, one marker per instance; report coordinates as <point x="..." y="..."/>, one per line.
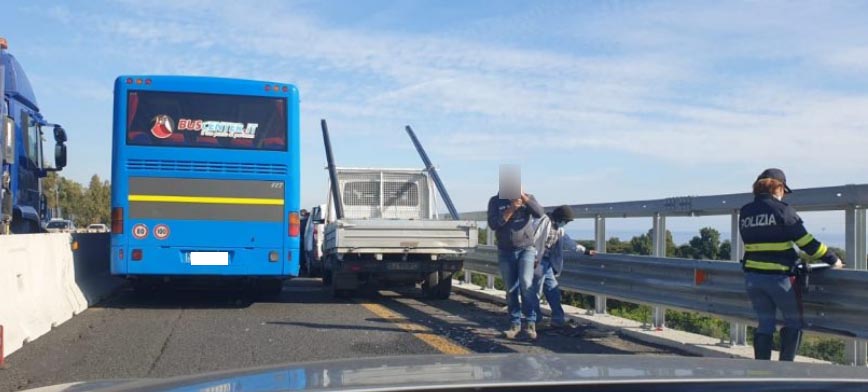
<point x="686" y="84"/>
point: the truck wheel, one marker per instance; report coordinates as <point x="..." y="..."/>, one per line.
<point x="327" y="277"/>
<point x="341" y="294"/>
<point x="337" y="292"/>
<point x="438" y="285"/>
<point x="313" y="270"/>
<point x="304" y="267"/>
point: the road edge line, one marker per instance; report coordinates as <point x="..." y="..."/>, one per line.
<point x="419" y="331"/>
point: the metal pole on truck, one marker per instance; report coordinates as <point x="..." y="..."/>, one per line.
<point x="333" y="173"/>
<point x="433" y="171"/>
<point x="4" y="222"/>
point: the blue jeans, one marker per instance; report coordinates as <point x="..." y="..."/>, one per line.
<point x="547" y="284"/>
<point x="768" y="293"/>
<point x="516" y="269"/>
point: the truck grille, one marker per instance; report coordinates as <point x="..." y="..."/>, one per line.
<point x="158" y="165"/>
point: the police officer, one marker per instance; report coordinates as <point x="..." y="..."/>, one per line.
<point x="770" y="228"/>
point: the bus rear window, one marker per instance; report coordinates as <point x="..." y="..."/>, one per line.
<point x="171" y="119"/>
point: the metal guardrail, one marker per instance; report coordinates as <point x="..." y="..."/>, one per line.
<point x="836" y="302"/>
<point x="847" y="290"/>
<point x="807" y="199"/>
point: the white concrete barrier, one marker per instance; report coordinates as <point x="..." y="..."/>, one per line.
<point x="43" y="283"/>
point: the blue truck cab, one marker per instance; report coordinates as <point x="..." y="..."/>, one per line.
<point x="22" y="203"/>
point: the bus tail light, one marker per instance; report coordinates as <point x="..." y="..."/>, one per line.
<point x="136" y="254"/>
<point x="294" y="224"/>
<point x="117" y="220"/>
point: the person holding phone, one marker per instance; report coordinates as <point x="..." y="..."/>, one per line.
<point x="511" y="220"/>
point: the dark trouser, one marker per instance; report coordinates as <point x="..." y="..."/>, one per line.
<point x="768" y="293"/>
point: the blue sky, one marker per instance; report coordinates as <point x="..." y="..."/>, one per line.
<point x="598" y="101"/>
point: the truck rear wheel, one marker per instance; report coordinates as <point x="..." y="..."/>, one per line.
<point x="327" y="277"/>
<point x="314" y="270"/>
<point x="438" y="285"/>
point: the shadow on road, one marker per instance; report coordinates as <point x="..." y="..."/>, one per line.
<point x="179" y="297"/>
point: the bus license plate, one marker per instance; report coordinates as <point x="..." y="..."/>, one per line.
<point x="209" y="258"/>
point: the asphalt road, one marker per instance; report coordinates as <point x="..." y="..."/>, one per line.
<point x="132" y="335"/>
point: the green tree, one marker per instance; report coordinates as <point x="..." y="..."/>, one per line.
<point x="82" y="205"/>
<point x="644" y="244"/>
<point x="725" y="250"/>
<point x="615" y="245"/>
<point x="97" y="207"/>
<point x="685" y="251"/>
<point x="706" y="245"/>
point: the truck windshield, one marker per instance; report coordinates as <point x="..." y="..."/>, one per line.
<point x="156" y="118"/>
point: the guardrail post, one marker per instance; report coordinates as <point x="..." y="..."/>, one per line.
<point x="468" y="277"/>
<point x="854" y="221"/>
<point x="600" y="245"/>
<point x="658" y="233"/>
<point x="489" y="282"/>
<point x="737" y="330"/>
<point x="489" y="236"/>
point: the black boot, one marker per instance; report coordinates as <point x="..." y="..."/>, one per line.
<point x="762" y="346"/>
<point x="791" y="338"/>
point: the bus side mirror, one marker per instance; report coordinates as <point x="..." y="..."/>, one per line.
<point x="59" y="135"/>
<point x="59" y="156"/>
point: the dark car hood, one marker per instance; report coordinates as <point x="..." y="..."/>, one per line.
<point x="426" y="372"/>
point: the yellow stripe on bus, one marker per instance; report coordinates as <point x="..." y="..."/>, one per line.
<point x="206" y="200"/>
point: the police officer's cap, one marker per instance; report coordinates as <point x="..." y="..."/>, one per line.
<point x="563" y="213"/>
<point x="775" y="174"/>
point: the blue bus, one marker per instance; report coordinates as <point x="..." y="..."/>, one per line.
<point x="205" y="179"/>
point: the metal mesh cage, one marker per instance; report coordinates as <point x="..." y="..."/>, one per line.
<point x="384" y="194"/>
<point x="362" y="193"/>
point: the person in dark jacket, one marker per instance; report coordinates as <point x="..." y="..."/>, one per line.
<point x="512" y="224"/>
<point x="770" y="229"/>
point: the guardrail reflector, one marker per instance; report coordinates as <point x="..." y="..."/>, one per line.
<point x="698" y="277"/>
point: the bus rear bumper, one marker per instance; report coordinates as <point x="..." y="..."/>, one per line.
<point x="172" y="261"/>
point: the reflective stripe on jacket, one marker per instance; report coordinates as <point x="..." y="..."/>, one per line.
<point x="771" y="230"/>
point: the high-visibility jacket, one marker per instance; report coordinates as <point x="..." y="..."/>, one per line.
<point x="771" y="231"/>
